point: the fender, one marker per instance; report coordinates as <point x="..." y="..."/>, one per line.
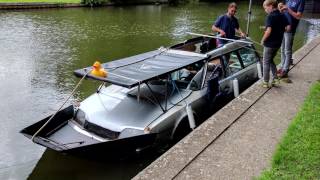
<point x="183" y="117"/>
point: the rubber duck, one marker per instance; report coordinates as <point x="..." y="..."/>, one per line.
<point x="98" y="70"/>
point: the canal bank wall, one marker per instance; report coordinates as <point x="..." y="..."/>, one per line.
<point x="312" y="6"/>
<point x="39" y="5"/>
<point x="11" y="6"/>
<point x="238" y="141"/>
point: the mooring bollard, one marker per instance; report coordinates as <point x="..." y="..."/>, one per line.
<point x="259" y="70"/>
<point x="235" y="87"/>
<point x="192" y="122"/>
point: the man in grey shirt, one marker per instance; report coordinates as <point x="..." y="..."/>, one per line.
<point x="293" y="10"/>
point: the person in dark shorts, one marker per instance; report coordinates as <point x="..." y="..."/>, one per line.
<point x="227" y="25"/>
<point x="275" y="26"/>
<point x="293" y="9"/>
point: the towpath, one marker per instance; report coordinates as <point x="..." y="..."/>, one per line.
<point x="239" y="140"/>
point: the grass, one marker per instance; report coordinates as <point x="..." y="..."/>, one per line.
<point x="36" y="1"/>
<point x="298" y="154"/>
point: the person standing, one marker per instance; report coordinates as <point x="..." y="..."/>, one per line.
<point x="293" y="9"/>
<point x="227" y="25"/>
<point x="275" y="26"/>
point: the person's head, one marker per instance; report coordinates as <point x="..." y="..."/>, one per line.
<point x="232" y="9"/>
<point x="270" y="5"/>
<point x="190" y="68"/>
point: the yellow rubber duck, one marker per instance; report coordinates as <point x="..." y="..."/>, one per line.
<point x="98" y="70"/>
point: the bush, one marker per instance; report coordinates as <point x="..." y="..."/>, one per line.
<point x="92" y="3"/>
<point x="176" y="2"/>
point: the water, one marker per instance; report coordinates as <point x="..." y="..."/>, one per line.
<point x="39" y="49"/>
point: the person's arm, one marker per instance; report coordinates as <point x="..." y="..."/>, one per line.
<point x="238" y="29"/>
<point x="297" y="15"/>
<point x="288" y="28"/>
<point x="266" y="35"/>
<point x="216" y="29"/>
<point x="287" y="23"/>
<point x="216" y="26"/>
<point x="242" y="34"/>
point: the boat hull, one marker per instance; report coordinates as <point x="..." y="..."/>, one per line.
<point x="60" y="134"/>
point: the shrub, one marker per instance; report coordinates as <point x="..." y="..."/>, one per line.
<point x="92" y="3"/>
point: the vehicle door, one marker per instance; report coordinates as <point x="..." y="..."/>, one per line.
<point x="233" y="69"/>
<point x="249" y="57"/>
<point x="182" y="91"/>
<point x="197" y="97"/>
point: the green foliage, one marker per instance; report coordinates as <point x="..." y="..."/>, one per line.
<point x="182" y="1"/>
<point x="42" y="1"/>
<point x="298" y="154"/>
<point x="92" y="2"/>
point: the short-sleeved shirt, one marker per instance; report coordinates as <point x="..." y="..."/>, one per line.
<point x="296" y="6"/>
<point x="278" y="22"/>
<point x="228" y="25"/>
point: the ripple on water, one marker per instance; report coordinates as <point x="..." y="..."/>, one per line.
<point x="41" y="48"/>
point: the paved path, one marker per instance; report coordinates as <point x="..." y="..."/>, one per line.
<point x="239" y="140"/>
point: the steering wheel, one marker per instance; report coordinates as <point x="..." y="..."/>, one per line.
<point x="183" y="78"/>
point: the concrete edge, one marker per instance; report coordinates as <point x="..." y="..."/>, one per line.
<point x="171" y="163"/>
<point x="38" y="5"/>
<point x="41" y="5"/>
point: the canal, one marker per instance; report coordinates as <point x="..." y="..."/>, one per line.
<point x="39" y="49"/>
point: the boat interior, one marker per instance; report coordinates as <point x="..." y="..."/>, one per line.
<point x="198" y="45"/>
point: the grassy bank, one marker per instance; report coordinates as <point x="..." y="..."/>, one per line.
<point x="36" y="1"/>
<point x="298" y="154"/>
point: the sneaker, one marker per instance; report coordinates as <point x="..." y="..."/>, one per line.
<point x="265" y="84"/>
<point x="275" y="82"/>
<point x="286" y="80"/>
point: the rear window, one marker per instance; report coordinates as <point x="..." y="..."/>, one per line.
<point x="248" y="56"/>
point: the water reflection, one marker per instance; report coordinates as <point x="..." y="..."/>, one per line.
<point x="41" y="48"/>
<point x="53" y="165"/>
<point x="312" y="28"/>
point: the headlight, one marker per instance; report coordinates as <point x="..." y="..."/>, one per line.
<point x="80" y="117"/>
<point x="130" y="132"/>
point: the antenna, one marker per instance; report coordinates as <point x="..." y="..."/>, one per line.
<point x="249" y="17"/>
<point x="218" y="37"/>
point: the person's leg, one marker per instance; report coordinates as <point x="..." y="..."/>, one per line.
<point x="288" y="52"/>
<point x="273" y="66"/>
<point x="275" y="79"/>
<point x="283" y="49"/>
<point x="292" y="40"/>
<point x="266" y="64"/>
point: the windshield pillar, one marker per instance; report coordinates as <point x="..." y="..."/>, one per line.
<point x="152" y="93"/>
<point x="138" y="97"/>
<point x="166" y="94"/>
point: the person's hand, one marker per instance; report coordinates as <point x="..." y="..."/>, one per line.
<point x="280" y="6"/>
<point x="262" y="27"/>
<point x="262" y="42"/>
<point x="242" y="34"/>
<point x="222" y="33"/>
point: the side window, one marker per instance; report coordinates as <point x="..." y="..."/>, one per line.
<point x="195" y="83"/>
<point x="248" y="56"/>
<point x="189" y="74"/>
<point x="231" y="63"/>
